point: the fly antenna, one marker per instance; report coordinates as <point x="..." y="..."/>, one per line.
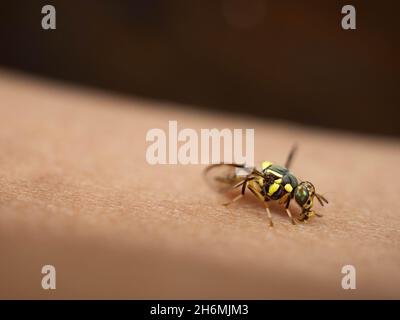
<point x="321" y="199"/>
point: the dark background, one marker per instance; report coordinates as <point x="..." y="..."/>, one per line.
<point x="277" y="59"/>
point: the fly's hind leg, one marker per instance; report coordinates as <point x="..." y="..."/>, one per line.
<point x="233" y="200"/>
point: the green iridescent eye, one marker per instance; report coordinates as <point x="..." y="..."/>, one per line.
<point x="301" y="195"/>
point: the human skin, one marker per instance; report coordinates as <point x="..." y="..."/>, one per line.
<point x="77" y="192"/>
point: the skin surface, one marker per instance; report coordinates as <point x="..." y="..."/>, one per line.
<point x="76" y="192"/>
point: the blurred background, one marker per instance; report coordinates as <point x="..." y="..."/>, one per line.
<point x="286" y="60"/>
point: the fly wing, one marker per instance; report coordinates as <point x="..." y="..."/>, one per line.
<point x="222" y="177"/>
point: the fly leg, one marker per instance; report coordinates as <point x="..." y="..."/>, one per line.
<point x="244" y="185"/>
<point x="264" y="200"/>
<point x="271" y="224"/>
<point x="286" y="201"/>
<point x="288" y="211"/>
<point x="233" y="200"/>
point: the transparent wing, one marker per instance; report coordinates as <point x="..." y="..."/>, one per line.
<point x="222" y="177"/>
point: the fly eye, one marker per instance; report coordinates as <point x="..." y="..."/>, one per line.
<point x="301" y="195"/>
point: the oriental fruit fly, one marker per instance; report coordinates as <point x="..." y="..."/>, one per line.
<point x="272" y="183"/>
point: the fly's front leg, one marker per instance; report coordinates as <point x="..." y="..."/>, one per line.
<point x="286" y="201"/>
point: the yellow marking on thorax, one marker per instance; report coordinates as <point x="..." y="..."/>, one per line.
<point x="288" y="187"/>
<point x="273" y="188"/>
<point x="266" y="164"/>
<point x="274" y="173"/>
<point x="278" y="181"/>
